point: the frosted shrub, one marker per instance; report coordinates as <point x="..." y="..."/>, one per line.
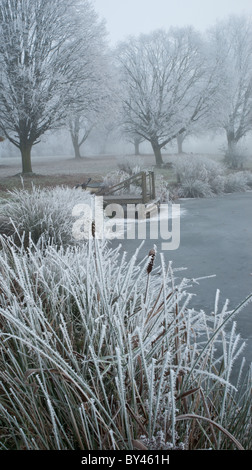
<point x="235" y="156"/>
<point x="44" y="212"/>
<point x="236" y="182"/>
<point x="162" y="189"/>
<point x="217" y="184"/>
<point x="198" y="176"/>
<point x="131" y="166"/>
<point x="194" y="188"/>
<point x="100" y="352"/>
<point x="115" y="177"/>
<point x="248" y="176"/>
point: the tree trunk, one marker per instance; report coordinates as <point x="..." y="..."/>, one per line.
<point x="103" y="148"/>
<point x="25" y="150"/>
<point x="157" y="152"/>
<point x="77" y="150"/>
<point x="136" y="145"/>
<point x="232" y="157"/>
<point x="180" y="140"/>
<point x="76" y="145"/>
<point x="231" y="141"/>
<point x="74" y="131"/>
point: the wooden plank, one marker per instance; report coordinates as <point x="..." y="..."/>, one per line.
<point x="123" y="199"/>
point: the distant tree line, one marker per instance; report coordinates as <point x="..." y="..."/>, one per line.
<point x="57" y="71"/>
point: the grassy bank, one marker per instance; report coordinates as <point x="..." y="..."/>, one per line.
<point x="97" y="352"/>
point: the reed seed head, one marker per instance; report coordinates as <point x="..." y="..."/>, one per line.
<point x="93" y="229"/>
<point x="152" y="254"/>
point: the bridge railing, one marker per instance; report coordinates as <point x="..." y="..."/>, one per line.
<point x="145" y="179"/>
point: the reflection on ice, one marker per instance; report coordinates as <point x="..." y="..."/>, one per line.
<point x="160" y="223"/>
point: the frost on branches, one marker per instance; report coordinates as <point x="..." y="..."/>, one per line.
<point x="168" y="84"/>
<point x="43" y="63"/>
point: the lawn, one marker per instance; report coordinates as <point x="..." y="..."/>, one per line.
<point x="63" y="170"/>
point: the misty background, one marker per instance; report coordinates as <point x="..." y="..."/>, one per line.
<point x="122" y="20"/>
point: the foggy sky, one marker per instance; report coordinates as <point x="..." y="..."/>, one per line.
<point x="126" y="17"/>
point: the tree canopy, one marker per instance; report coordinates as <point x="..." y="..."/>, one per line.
<point x="45" y="57"/>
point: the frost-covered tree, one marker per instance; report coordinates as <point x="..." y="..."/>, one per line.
<point x="107" y="125"/>
<point x="80" y="127"/>
<point x="232" y="43"/>
<point x="194" y="129"/>
<point x="107" y="129"/>
<point x="136" y="140"/>
<point x="167" y="84"/>
<point x="94" y="89"/>
<point x="42" y="59"/>
<point x="97" y="115"/>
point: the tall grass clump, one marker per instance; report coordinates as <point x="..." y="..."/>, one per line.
<point x="101" y="352"/>
<point x="198" y="176"/>
<point x="44" y="212"/>
<point x="235" y="156"/>
<point x="237" y="182"/>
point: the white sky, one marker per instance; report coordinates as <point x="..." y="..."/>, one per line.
<point x="126" y="17"/>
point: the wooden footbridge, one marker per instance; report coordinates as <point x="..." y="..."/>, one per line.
<point x="144" y="180"/>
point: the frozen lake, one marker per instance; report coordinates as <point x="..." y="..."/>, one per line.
<point x="215" y="239"/>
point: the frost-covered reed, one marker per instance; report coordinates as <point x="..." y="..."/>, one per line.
<point x="101" y="352"/>
<point x="44" y="212"/>
<point x="199" y="176"/>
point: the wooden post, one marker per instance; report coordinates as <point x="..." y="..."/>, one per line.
<point x="144" y="188"/>
<point x="153" y="192"/>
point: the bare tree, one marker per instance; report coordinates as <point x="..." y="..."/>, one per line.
<point x="79" y="124"/>
<point x="195" y="129"/>
<point x="40" y="67"/>
<point x="180" y="140"/>
<point x="100" y="121"/>
<point x="232" y="43"/>
<point x="167" y="84"/>
<point x="137" y="140"/>
<point x="107" y="128"/>
<point x="93" y="90"/>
